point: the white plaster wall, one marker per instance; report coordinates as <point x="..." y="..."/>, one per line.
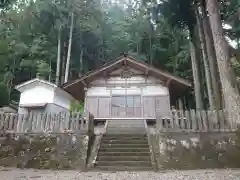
<point x="37" y="95"/>
<point x="123" y="91"/>
<point x="155" y="90"/>
<point x="98" y="91"/>
<point x="62" y="99"/>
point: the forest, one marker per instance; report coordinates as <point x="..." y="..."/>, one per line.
<point x="60" y="40"/>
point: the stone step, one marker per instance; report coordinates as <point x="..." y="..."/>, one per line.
<point x="124" y="158"/>
<point x="128" y="121"/>
<point x="124" y="163"/>
<point x="122" y="141"/>
<point x="124" y="145"/>
<point x="123" y="149"/>
<point x="125" y="132"/>
<point x="124" y="153"/>
<point x="124" y="168"/>
<point x="124" y="136"/>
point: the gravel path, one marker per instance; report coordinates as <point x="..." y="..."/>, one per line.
<point x="17" y="174"/>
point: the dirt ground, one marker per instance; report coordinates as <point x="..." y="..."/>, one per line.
<point x="28" y="174"/>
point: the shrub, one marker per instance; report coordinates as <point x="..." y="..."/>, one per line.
<point x="4" y="95"/>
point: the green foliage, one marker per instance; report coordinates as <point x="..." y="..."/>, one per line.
<point x="154" y="33"/>
<point x="77" y="106"/>
<point x="4" y="95"/>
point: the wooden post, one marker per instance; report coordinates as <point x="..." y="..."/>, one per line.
<point x="193" y="118"/>
<point x="204" y="118"/>
<point x="188" y="120"/>
<point x="199" y="120"/>
<point x="182" y="119"/>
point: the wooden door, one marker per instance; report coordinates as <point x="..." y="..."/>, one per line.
<point x="126" y="106"/>
<point x="149" y="106"/>
<point x="103" y="107"/>
<point x="162" y="106"/>
<point x="92" y="105"/>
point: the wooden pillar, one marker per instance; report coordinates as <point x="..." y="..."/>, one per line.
<point x="141" y="100"/>
<point x="85" y="100"/>
<point x="110" y="105"/>
<point x="180" y="104"/>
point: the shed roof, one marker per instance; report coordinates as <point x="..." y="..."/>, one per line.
<point x="177" y="84"/>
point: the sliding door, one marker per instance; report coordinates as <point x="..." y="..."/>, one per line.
<point x="126" y="106"/>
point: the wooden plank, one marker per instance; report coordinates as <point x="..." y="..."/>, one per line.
<point x="204" y="119"/>
<point x="221" y="121"/>
<point x="63" y="121"/>
<point x="215" y="120"/>
<point x="104" y="107"/>
<point x="236" y="120"/>
<point x="82" y="124"/>
<point x="193" y="118"/>
<point x="182" y="119"/>
<point x="72" y="121"/>
<point x="159" y="123"/>
<point x="24" y="121"/>
<point x="2" y="121"/>
<point x="59" y="121"/>
<point x="43" y="122"/>
<point x="47" y="122"/>
<point x="210" y="120"/>
<point x="199" y="120"/>
<point x="78" y="121"/>
<point x="6" y="121"/>
<point x="15" y="121"/>
<point x="33" y="122"/>
<point x="11" y="122"/>
<point x="19" y="123"/>
<point x="38" y="122"/>
<point x="188" y="120"/>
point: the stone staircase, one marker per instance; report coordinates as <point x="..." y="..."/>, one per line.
<point x="124" y="147"/>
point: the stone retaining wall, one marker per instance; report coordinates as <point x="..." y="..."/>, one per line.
<point x="196" y="150"/>
<point x="64" y="151"/>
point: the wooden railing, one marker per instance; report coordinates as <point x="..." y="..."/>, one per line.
<point x="46" y="123"/>
<point x="198" y="121"/>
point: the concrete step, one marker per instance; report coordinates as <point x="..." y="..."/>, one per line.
<point x="124" y="145"/>
<point x="123" y="153"/>
<point x="123" y="149"/>
<point x="124" y="163"/>
<point x="122" y="141"/>
<point x="123" y="168"/>
<point x="124" y="158"/>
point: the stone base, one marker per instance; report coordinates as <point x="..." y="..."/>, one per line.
<point x="45" y="152"/>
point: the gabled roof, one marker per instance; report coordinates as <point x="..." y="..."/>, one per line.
<point x="27" y="84"/>
<point x="132" y="62"/>
<point x="128" y="59"/>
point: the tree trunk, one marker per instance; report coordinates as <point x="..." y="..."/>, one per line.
<point x="205" y="62"/>
<point x="81" y="63"/>
<point x="196" y="76"/>
<point x="228" y="81"/>
<point x="69" y="49"/>
<point x="212" y="59"/>
<point x="58" y="58"/>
